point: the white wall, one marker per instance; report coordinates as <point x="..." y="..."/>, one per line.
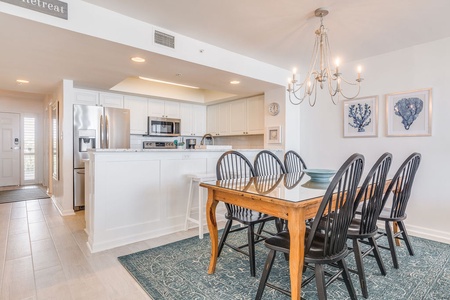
<point x="288" y="118"/>
<point x="63" y="187"/>
<point x="422" y="66"/>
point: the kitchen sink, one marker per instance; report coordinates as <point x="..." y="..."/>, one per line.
<point x="214" y="147"/>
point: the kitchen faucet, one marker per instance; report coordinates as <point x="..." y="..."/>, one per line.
<point x="207" y="136"/>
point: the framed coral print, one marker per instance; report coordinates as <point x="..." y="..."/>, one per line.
<point x="409" y="113"/>
<point x="361" y="117"/>
<point x="274" y="135"/>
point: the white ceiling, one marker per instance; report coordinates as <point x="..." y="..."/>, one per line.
<point x="277" y="32"/>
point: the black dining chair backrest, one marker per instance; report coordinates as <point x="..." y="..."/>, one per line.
<point x="293" y="162"/>
<point x="234" y="168"/>
<point x="233" y="164"/>
<point x="401" y="184"/>
<point x="267" y="163"/>
<point x="370" y="196"/>
<point x="336" y="210"/>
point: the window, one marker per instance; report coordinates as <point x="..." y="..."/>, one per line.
<point x="29" y="149"/>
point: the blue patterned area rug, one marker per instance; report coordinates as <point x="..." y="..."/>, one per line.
<point x="179" y="271"/>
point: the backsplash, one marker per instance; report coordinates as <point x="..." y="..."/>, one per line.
<point x="237" y="142"/>
<point x="242" y="141"/>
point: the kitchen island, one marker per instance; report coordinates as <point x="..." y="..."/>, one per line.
<point x="134" y="195"/>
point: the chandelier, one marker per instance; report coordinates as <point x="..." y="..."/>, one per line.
<point x="320" y="72"/>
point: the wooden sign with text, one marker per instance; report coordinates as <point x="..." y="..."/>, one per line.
<point x="50" y="7"/>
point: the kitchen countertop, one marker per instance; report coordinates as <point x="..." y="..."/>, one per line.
<point x="173" y="150"/>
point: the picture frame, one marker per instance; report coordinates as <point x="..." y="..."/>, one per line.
<point x="361" y="117"/>
<point x="409" y="113"/>
<point x="274" y="135"/>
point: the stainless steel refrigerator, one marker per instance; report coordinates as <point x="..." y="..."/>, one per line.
<point x="96" y="127"/>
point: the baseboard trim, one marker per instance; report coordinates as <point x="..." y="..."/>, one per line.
<point x="430" y="234"/>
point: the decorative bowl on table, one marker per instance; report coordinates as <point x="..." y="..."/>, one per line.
<point x="320" y="175"/>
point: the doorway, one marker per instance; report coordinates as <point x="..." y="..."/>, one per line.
<point x="10" y="149"/>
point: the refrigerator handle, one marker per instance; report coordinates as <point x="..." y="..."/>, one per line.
<point x="107" y="132"/>
<point x="101" y="133"/>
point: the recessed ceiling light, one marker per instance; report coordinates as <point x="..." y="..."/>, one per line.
<point x="138" y="59"/>
<point x="235" y="82"/>
<point x="167" y="82"/>
<point x="21" y="81"/>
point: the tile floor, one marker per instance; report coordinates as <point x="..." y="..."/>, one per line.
<point x="44" y="256"/>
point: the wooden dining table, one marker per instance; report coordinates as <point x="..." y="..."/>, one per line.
<point x="292" y="197"/>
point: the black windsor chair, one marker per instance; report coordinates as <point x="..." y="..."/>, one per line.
<point x="293" y="162"/>
<point x="234" y="165"/>
<point x="267" y="163"/>
<point x="327" y="237"/>
<point x="400" y="190"/>
<point x="364" y="225"/>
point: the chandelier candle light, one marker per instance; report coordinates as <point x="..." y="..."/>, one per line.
<point x="322" y="56"/>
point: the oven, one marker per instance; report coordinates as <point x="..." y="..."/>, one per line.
<point x="163" y="126"/>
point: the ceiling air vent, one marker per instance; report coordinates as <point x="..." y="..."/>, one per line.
<point x="164" y="39"/>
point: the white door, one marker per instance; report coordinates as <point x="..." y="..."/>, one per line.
<point x="9" y="149"/>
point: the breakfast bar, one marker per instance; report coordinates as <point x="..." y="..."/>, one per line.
<point x="133" y="195"/>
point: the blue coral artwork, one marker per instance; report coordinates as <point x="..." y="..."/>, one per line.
<point x="360" y="117"/>
<point x="408" y="109"/>
<point x="409" y="113"/>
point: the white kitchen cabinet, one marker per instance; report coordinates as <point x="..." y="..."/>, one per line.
<point x="111" y="100"/>
<point x="224" y="118"/>
<point x="193" y="119"/>
<point x="238" y="113"/>
<point x="212" y="119"/>
<point x="218" y="119"/>
<point x="163" y="109"/>
<point x="85" y="97"/>
<point x="255" y="115"/>
<point x="88" y="97"/>
<point x="138" y="114"/>
<point x="247" y="116"/>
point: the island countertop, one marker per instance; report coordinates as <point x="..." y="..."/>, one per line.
<point x="176" y="150"/>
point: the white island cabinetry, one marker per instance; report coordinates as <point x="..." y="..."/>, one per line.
<point x="133" y="195"/>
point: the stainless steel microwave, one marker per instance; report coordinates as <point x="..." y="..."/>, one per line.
<point x="163" y="126"/>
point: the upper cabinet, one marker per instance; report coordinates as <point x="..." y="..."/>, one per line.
<point x="218" y="119"/>
<point x="85" y="97"/>
<point x="193" y="116"/>
<point x="212" y="119"/>
<point x="88" y="97"/>
<point x="111" y="100"/>
<point x="138" y="114"/>
<point x="163" y="109"/>
<point x="255" y="115"/>
<point x="239" y="117"/>
<point x="193" y="119"/>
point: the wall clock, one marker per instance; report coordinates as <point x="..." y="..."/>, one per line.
<point x="274" y="108"/>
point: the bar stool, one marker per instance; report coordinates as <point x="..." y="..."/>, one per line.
<point x="195" y="180"/>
